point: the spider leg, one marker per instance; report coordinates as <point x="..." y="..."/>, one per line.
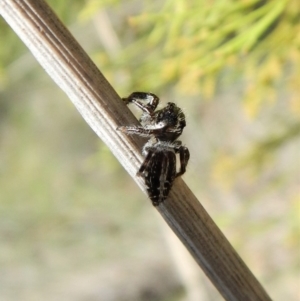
<point x="137" y="98"/>
<point x="135" y="130"/>
<point x="184" y="156"/>
<point x="145" y="164"/>
<point x="141" y="131"/>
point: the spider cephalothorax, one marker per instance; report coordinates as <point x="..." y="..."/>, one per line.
<point x="162" y="127"/>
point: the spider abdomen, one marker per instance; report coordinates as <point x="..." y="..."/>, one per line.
<point x="160" y="175"/>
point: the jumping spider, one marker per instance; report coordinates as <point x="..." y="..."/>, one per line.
<point x="162" y="127"/>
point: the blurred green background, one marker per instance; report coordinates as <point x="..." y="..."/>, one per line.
<point x="73" y="224"/>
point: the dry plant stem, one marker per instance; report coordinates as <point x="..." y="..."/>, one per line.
<point x="70" y="67"/>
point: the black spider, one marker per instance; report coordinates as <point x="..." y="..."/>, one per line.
<point x="162" y="127"/>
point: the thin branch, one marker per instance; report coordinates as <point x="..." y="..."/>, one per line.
<point x="73" y="71"/>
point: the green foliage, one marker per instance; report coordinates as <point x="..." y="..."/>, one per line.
<point x="191" y="45"/>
